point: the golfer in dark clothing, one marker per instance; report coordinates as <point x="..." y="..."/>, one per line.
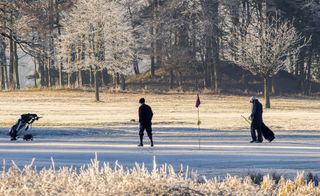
<point x="145" y="117"/>
<point x="256" y="120"/>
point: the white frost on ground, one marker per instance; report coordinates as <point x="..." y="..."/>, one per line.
<point x="222" y="152"/>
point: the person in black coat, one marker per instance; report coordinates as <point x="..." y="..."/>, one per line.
<point x="256" y="120"/>
<point x="145" y="117"/>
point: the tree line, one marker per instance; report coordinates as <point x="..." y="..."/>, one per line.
<point x="76" y="43"/>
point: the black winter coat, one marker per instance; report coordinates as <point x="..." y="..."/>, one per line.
<point x="145" y="114"/>
<point x="256" y="114"/>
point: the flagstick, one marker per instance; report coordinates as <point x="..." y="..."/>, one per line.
<point x="199" y="127"/>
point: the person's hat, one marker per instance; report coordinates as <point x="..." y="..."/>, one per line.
<point x="252" y="99"/>
<point x="142" y="100"/>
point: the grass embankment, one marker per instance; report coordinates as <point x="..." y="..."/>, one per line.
<point x="61" y="108"/>
<point x="95" y="180"/>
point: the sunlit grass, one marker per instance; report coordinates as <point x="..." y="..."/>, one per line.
<point x="62" y="108"/>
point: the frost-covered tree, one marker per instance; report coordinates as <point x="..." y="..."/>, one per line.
<point x="96" y="36"/>
<point x="32" y="27"/>
<point x="267" y="46"/>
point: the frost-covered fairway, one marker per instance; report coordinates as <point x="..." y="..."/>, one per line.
<point x="74" y="127"/>
<point x="221" y="153"/>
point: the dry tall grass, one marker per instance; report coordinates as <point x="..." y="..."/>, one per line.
<point x="102" y="179"/>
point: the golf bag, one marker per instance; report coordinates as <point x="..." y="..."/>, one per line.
<point x="267" y="133"/>
<point x="22" y="126"/>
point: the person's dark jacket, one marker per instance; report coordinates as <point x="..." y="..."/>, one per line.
<point x="256" y="114"/>
<point x="145" y="114"/>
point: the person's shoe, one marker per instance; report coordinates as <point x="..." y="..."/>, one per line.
<point x="151" y="145"/>
<point x="271" y="139"/>
<point x="13" y="139"/>
<point x="140" y="145"/>
<point x="252" y="141"/>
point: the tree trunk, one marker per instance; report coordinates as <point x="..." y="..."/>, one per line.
<point x="152" y="56"/>
<point x="152" y="68"/>
<point x="11" y="49"/>
<point x="96" y="83"/>
<point x="157" y="39"/>
<point x="117" y="80"/>
<point x="122" y="82"/>
<point x="3" y="62"/>
<point x="153" y="39"/>
<point x="301" y="71"/>
<point x="3" y="82"/>
<point x="80" y="79"/>
<point x="51" y="80"/>
<point x="48" y="71"/>
<point x="266" y="92"/>
<point x="60" y="73"/>
<point x="35" y="71"/>
<point x="6" y="76"/>
<point x="41" y="71"/>
<point x="307" y="88"/>
<point x="91" y="77"/>
<point x="180" y="80"/>
<point x="57" y="18"/>
<point x="215" y="44"/>
<point x="53" y="76"/>
<point x="215" y="77"/>
<point x="136" y="66"/>
<point x="208" y="61"/>
<point x="69" y="80"/>
<point x="171" y="79"/>
<point x="273" y="85"/>
<point x="16" y="66"/>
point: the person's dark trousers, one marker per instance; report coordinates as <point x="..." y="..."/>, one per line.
<point x="259" y="131"/>
<point x="254" y="127"/>
<point x="149" y="132"/>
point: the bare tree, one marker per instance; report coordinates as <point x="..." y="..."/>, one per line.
<point x="267" y="47"/>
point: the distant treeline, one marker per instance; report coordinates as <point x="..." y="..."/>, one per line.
<point x="91" y="43"/>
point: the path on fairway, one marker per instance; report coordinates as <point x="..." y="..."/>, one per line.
<point x="221" y="153"/>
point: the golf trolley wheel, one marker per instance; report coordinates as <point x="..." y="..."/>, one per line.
<point x="28" y="137"/>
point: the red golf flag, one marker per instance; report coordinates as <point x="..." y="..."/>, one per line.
<point x="198" y="102"/>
